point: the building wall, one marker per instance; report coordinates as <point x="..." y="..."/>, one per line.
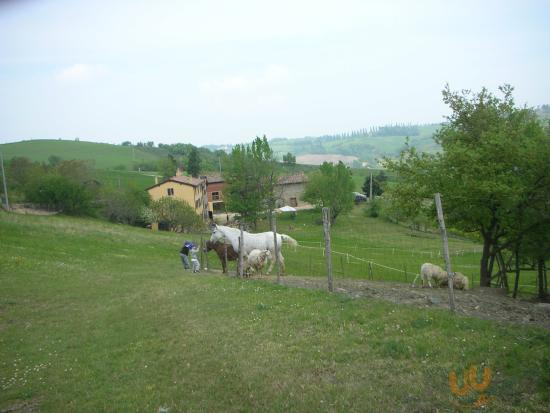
<point x="289" y="191"/>
<point x="193" y="196"/>
<point x="215" y="187"/>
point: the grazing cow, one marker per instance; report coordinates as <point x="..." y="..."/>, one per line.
<point x="256" y="260"/>
<point x="220" y="249"/>
<point x="460" y="281"/>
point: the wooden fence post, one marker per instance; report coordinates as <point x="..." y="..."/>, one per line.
<point x="371" y="274"/>
<point x="277" y="264"/>
<point x="445" y="250"/>
<point x="225" y="257"/>
<point x="326" y="228"/>
<point x="241" y="245"/>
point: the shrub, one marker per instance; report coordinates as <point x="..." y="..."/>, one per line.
<point x="60" y="193"/>
<point x="123" y="205"/>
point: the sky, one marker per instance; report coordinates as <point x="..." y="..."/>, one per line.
<point x="222" y="72"/>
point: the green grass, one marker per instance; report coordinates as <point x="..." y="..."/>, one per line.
<point x="125" y="178"/>
<point x="97" y="317"/>
<point x="105" y="156"/>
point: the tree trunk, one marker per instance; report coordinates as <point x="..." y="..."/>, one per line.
<point x="516" y="281"/>
<point x="540" y="268"/>
<point x="485" y="270"/>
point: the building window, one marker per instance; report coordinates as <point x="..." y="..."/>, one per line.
<point x="293" y="202"/>
<point x="216" y="196"/>
<point x="170" y="191"/>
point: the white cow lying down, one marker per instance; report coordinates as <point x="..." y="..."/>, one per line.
<point x="430" y="272"/>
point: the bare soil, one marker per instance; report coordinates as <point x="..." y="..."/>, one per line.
<point x="487" y="303"/>
<point x="30" y="210"/>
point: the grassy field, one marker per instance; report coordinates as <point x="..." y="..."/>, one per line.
<point x="105" y="156"/>
<point x="98" y="317"/>
<point x="395" y="251"/>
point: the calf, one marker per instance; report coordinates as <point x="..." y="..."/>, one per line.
<point x="256" y="260"/>
<point x="221" y="249"/>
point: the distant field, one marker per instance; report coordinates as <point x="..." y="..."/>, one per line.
<point x="98" y="317"/>
<point x="366" y="148"/>
<point x="105" y="156"/>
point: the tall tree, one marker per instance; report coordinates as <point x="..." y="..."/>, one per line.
<point x="491" y="165"/>
<point x="332" y="187"/>
<point x="377" y="184"/>
<point x="250" y="174"/>
<point x="194" y="163"/>
<point x="167" y="167"/>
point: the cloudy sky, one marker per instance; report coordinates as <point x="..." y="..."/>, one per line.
<point x="214" y="72"/>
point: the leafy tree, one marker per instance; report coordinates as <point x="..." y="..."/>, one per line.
<point x="250" y="174"/>
<point x="167" y="166"/>
<point x="378" y="182"/>
<point x="492" y="164"/>
<point x="175" y="214"/>
<point x="123" y="205"/>
<point x="126" y="143"/>
<point x="332" y="187"/>
<point x="21" y="171"/>
<point x="194" y="163"/>
<point x="79" y="171"/>
<point x="53" y="160"/>
<point x="60" y="193"/>
<point x="289" y="159"/>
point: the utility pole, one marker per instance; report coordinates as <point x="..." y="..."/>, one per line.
<point x="445" y="241"/>
<point x="7" y="206"/>
<point x="370" y="191"/>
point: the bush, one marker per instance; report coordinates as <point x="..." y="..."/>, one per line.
<point x="123" y="205"/>
<point x="120" y="168"/>
<point x="373" y="208"/>
<point x="60" y="193"/>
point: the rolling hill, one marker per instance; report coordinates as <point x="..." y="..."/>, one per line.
<point x="366" y="146"/>
<point x="104" y="155"/>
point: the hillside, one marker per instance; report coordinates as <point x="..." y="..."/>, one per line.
<point x="100" y="317"/>
<point x="368" y="146"/>
<point x="104" y="155"/>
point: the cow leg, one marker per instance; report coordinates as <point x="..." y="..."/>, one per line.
<point x="271" y="263"/>
<point x="282" y="262"/>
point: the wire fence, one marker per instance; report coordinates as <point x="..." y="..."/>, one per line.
<point x="372" y="263"/>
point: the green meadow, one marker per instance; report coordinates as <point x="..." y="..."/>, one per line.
<point x="104" y="155"/>
<point x="97" y="317"/>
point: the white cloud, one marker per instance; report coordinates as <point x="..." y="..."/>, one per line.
<point x="271" y="76"/>
<point x="80" y="72"/>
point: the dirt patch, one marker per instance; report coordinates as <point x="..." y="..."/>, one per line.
<point x="319" y="159"/>
<point x="22" y="406"/>
<point x="30" y="210"/>
<point x="487" y="303"/>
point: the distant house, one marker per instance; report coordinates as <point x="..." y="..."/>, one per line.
<point x="214" y="188"/>
<point x="185" y="188"/>
<point x="290" y="189"/>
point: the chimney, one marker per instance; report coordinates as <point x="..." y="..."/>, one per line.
<point x="156" y="180"/>
<point x="179" y="172"/>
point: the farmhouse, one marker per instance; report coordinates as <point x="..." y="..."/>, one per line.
<point x="185" y="188"/>
<point x="214" y="188"/>
<point x="289" y="190"/>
